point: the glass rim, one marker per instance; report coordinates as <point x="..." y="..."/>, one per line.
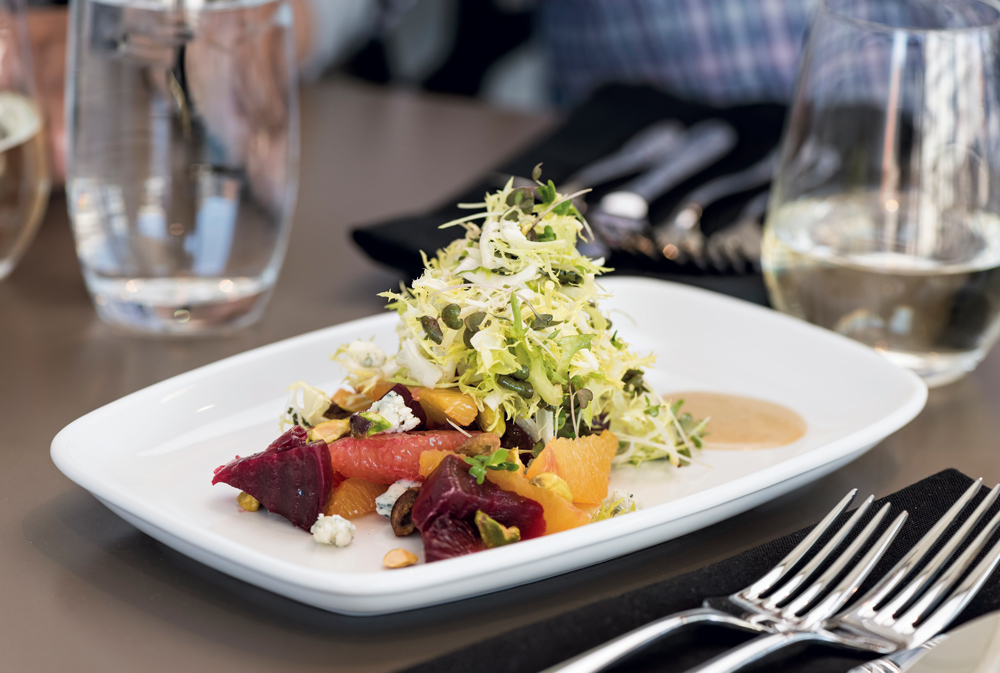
<point x="826" y="7"/>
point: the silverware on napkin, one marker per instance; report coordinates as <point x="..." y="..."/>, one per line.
<point x="932" y="581"/>
<point x="746" y="609"/>
<point x="621" y="217"/>
<point x="971" y="648"/>
<point x="644" y="149"/>
<point x="679" y="236"/>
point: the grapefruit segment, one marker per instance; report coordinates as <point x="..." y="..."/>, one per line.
<point x="387" y="458"/>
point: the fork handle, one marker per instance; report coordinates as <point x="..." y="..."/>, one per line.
<point x="898" y="661"/>
<point x="755" y="649"/>
<point x="608" y="653"/>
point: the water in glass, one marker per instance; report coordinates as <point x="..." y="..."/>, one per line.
<point x="183" y="158"/>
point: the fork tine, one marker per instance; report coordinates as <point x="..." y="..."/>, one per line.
<point x="801" y="549"/>
<point x="865" y="607"/>
<point x="966" y="591"/>
<point x="818" y="586"/>
<point x="713" y="249"/>
<point x="937" y="564"/>
<point x="842" y="593"/>
<point x="947" y="580"/>
<point x="733" y="249"/>
<point x="809" y="568"/>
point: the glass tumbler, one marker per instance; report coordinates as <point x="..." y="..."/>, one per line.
<point x="24" y="173"/>
<point x="182" y="118"/>
<point x="884" y="222"/>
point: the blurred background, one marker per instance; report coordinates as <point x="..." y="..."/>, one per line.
<point x="524" y="55"/>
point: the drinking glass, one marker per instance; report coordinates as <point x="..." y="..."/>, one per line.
<point x="24" y="173"/>
<point x="182" y="118"/>
<point x="884" y="220"/>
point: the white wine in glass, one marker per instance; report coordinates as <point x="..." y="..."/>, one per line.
<point x="884" y="223"/>
<point x="24" y="175"/>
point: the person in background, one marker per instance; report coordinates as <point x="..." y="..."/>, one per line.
<point x="522" y="54"/>
<point x="326" y="32"/>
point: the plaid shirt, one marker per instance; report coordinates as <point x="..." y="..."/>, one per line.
<point x="720" y="51"/>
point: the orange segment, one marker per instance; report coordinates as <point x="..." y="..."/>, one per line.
<point x="584" y="463"/>
<point x="441" y="404"/>
<point x="354" y="497"/>
<point x="379" y="390"/>
<point x="429" y="460"/>
<point x="345" y="399"/>
<point x="559" y="514"/>
<point x="361" y="401"/>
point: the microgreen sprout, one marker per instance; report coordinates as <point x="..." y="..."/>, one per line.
<point x="494" y="461"/>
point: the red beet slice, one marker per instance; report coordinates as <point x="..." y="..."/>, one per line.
<point x="388" y="457"/>
<point x="291" y="477"/>
<point x="448" y="538"/>
<point x="450" y="492"/>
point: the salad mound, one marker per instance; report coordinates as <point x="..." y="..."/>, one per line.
<point x="499" y="418"/>
<point x="509" y="315"/>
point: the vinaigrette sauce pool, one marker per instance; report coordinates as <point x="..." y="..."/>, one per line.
<point x="742" y="423"/>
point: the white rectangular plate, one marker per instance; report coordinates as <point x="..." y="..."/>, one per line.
<point x="149" y="456"/>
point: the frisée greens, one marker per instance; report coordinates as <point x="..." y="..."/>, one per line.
<point x="509" y="315"/>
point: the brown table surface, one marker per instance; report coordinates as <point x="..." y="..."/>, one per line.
<point x="81" y="590"/>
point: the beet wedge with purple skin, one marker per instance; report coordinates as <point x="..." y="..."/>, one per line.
<point x="291" y="477"/>
<point x="447" y="538"/>
<point x="450" y="494"/>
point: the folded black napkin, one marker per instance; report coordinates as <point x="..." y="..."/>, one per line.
<point x="540" y="645"/>
<point x="595" y="129"/>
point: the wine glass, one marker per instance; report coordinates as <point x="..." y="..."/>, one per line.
<point x="24" y="172"/>
<point x="182" y="118"/>
<point x="884" y="222"/>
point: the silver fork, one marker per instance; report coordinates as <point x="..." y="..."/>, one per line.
<point x="739" y="244"/>
<point x="679" y="236"/>
<point x="929" y="601"/>
<point x="748" y="609"/>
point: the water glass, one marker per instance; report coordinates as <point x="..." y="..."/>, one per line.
<point x="24" y="173"/>
<point x="884" y="222"/>
<point x="182" y="118"/>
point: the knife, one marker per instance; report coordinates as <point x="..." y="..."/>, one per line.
<point x="623" y="214"/>
<point x="971" y="648"/>
<point x="640" y="152"/>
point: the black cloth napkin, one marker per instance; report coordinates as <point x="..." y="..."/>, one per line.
<point x="540" y="645"/>
<point x="593" y="130"/>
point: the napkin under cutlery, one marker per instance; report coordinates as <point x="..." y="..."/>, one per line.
<point x="537" y="646"/>
<point x="598" y="127"/>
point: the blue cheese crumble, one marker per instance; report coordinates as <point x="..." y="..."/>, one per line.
<point x="366" y="354"/>
<point x="393" y="409"/>
<point x="333" y="530"/>
<point x="385" y="502"/>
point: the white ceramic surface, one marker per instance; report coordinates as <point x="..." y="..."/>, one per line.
<point x="149" y="456"/>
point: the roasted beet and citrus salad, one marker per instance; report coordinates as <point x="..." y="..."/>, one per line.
<point x="501" y="415"/>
